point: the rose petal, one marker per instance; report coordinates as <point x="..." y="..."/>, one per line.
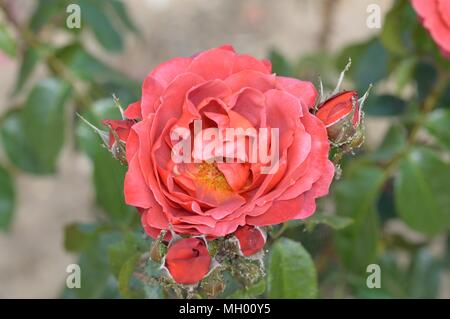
<point x="304" y="90"/>
<point x="213" y="64"/>
<point x="250" y="79"/>
<point x="133" y="111"/>
<point x="246" y="62"/>
<point x="166" y="72"/>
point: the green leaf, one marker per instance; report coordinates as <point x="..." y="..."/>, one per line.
<point x="121" y="252"/>
<point x="94" y="273"/>
<point x="257" y="289"/>
<point x="121" y="12"/>
<point x="425" y="276"/>
<point x="7" y="199"/>
<point x="393" y="143"/>
<point x="29" y="61"/>
<point x="44" y="120"/>
<point x="126" y="279"/>
<point x="78" y="237"/>
<point x="334" y="221"/>
<point x="254" y="291"/>
<point x="405" y="72"/>
<point x="437" y="124"/>
<point x="44" y="12"/>
<point x="95" y="16"/>
<point x="291" y="271"/>
<point x="385" y="205"/>
<point x="33" y="136"/>
<point x="17" y="146"/>
<point x="394" y="278"/>
<point x="96" y="279"/>
<point x="421" y="192"/>
<point x="90" y="69"/>
<point x="444" y="99"/>
<point x="425" y="75"/>
<point x="83" y="64"/>
<point x="384" y="105"/>
<point x="424" y="44"/>
<point x="398" y="28"/>
<point x="124" y="258"/>
<point x="7" y="42"/>
<point x="280" y="65"/>
<point x="371" y="67"/>
<point x="356" y="197"/>
<point x="418" y="279"/>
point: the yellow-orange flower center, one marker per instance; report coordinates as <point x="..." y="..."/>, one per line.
<point x="211" y="177"/>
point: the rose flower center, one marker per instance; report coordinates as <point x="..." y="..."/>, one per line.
<point x="210" y="176"/>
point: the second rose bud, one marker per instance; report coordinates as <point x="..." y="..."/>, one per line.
<point x="342" y="117"/>
<point x="188" y="260"/>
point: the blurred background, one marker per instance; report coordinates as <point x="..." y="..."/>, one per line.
<point x="302" y="37"/>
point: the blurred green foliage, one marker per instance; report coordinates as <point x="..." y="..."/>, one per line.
<point x="405" y="178"/>
<point x="33" y="134"/>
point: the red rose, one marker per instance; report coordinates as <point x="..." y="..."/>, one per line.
<point x="251" y="240"/>
<point x="223" y="89"/>
<point x="188" y="260"/>
<point x="435" y="15"/>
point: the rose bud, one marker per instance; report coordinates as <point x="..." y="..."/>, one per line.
<point x="251" y="240"/>
<point x="118" y="135"/>
<point x="118" y="130"/>
<point x="341" y="116"/>
<point x="188" y="260"/>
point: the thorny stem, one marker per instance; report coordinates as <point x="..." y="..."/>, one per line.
<point x="54" y="64"/>
<point x="280" y="232"/>
<point x="426" y="107"/>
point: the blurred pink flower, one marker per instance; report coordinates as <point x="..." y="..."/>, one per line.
<point x="435" y="16"/>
